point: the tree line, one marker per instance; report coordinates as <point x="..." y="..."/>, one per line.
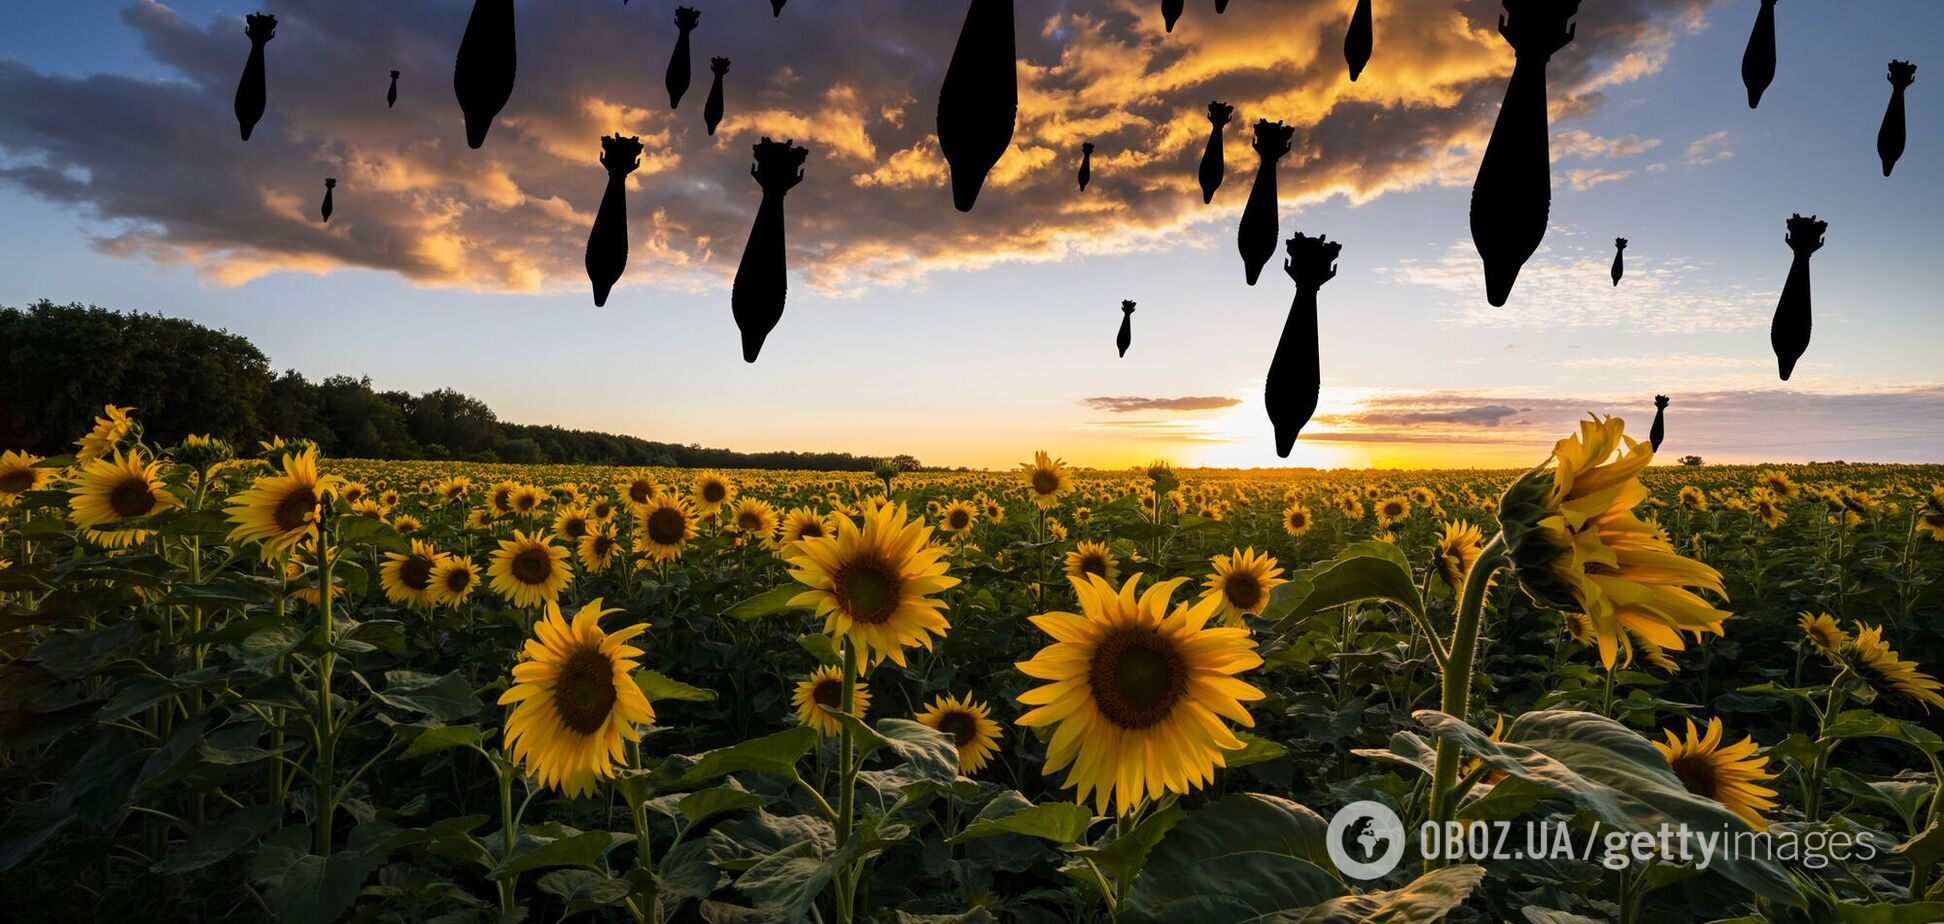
<point x="61" y="363"/>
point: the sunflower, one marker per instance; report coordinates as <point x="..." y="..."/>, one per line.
<point x="601" y="510"/>
<point x="571" y="524"/>
<point x="1457" y="551"/>
<point x="665" y="529"/>
<point x="1047" y="477"/>
<point x="1056" y="529"/>
<point x="18" y="475"/>
<point x="639" y="489"/>
<point x="1889" y="670"/>
<point x="755" y="519"/>
<point x="1765" y="507"/>
<point x="873" y="584"/>
<point x="499" y="497"/>
<point x="711" y="491"/>
<point x="995" y="512"/>
<point x="369" y="509"/>
<point x="1823" y="634"/>
<point x="970" y="724"/>
<point x="406" y="524"/>
<point x="598" y="549"/>
<point x="803" y="523"/>
<point x="577" y="702"/>
<point x="1092" y="558"/>
<point x="282" y="510"/>
<point x="825" y="687"/>
<point x="1137" y="694"/>
<point x="110" y="492"/>
<point x="453" y="581"/>
<point x="1392" y="508"/>
<point x="1296" y="520"/>
<point x="527" y="499"/>
<point x="407" y="578"/>
<point x="528" y="570"/>
<point x="1692" y="498"/>
<point x="1778" y="483"/>
<point x="1242" y="580"/>
<point x="1578" y="627"/>
<point x="1576" y="544"/>
<point x="453" y="489"/>
<point x="1654" y="654"/>
<point x="1930" y="519"/>
<point x="958" y="517"/>
<point x="1732" y="775"/>
<point x="108" y="433"/>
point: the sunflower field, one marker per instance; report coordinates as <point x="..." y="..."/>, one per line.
<point x="247" y="683"/>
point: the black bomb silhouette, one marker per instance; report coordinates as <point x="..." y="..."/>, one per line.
<point x="250" y="93"/>
<point x="1220" y="6"/>
<point x="482" y="76"/>
<point x="1513" y="193"/>
<point x="1659" y="432"/>
<point x="1295" y="375"/>
<point x="607" y="243"/>
<point x="712" y="109"/>
<point x="1619" y="263"/>
<point x="1256" y="236"/>
<point x="1126" y="335"/>
<point x="391" y="94"/>
<point x="330" y="185"/>
<point x="1890" y="138"/>
<point x="776" y="7"/>
<point x="1356" y="42"/>
<point x="762" y="278"/>
<point x="1789" y="331"/>
<point x="979" y="101"/>
<point x="1086" y="164"/>
<point x="1212" y="166"/>
<point x="677" y="80"/>
<point x="1170" y="12"/>
<point x="1758" y="60"/>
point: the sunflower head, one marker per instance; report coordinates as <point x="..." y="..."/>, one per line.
<point x="969" y="723"/>
<point x="112" y="492"/>
<point x="825" y="688"/>
<point x="1296" y="520"/>
<point x="710" y="491"/>
<point x="1242" y="581"/>
<point x="1458" y="549"/>
<point x="453" y="581"/>
<point x="1092" y="558"/>
<point x="19" y="474"/>
<point x="1822" y="634"/>
<point x="575" y="700"/>
<point x="1731" y="775"/>
<point x="957" y="517"/>
<point x="1881" y="664"/>
<point x="1046" y="479"/>
<point x="664" y="528"/>
<point x="873" y="583"/>
<point x="110" y="430"/>
<point x="528" y="570"/>
<point x="407" y="578"/>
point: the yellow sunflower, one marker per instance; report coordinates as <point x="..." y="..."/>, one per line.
<point x="528" y="570"/>
<point x="1765" y="507"/>
<point x="107" y="435"/>
<point x="755" y="519"/>
<point x="453" y="581"/>
<point x="111" y="492"/>
<point x="1892" y="671"/>
<point x="957" y="517"/>
<point x="407" y="578"/>
<point x="711" y="491"/>
<point x="1242" y="580"/>
<point x="1047" y="477"/>
<point x="527" y="499"/>
<point x="499" y="497"/>
<point x="1458" y="549"/>
<point x="1296" y="520"/>
<point x="571" y="524"/>
<point x="18" y="475"/>
<point x="576" y="700"/>
<point x="1778" y="483"/>
<point x="1578" y="627"/>
<point x="804" y="523"/>
<point x="282" y="510"/>
<point x="638" y="490"/>
<point x="1732" y="775"/>
<point x="1092" y="558"/>
<point x="1392" y="508"/>
<point x="1823" y="634"/>
<point x="406" y="524"/>
<point x="665" y="529"/>
<point x="1137" y="694"/>
<point x="598" y="549"/>
<point x="970" y="725"/>
<point x="1576" y="544"/>
<point x="873" y="584"/>
<point x="825" y="687"/>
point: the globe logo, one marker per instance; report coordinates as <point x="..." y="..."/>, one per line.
<point x="1365" y="840"/>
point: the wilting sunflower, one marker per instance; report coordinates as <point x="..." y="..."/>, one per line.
<point x="1889" y="670"/>
<point x="1047" y="478"/>
<point x="18" y="475"/>
<point x="1732" y="775"/>
<point x="571" y="524"/>
<point x="407" y="578"/>
<point x="113" y="491"/>
<point x="1576" y="544"/>
<point x="755" y="519"/>
<point x="1458" y="549"/>
<point x="825" y="687"/>
<point x="598" y="549"/>
<point x="1137" y="694"/>
<point x="577" y="702"/>
<point x="1242" y="580"/>
<point x="1296" y="520"/>
<point x="282" y="510"/>
<point x="528" y="570"/>
<point x="873" y="584"/>
<point x="1823" y="634"/>
<point x="1092" y="558"/>
<point x="974" y="733"/>
<point x="957" y="517"/>
<point x="453" y="581"/>
<point x="665" y="529"/>
<point x="711" y="491"/>
<point x="108" y="433"/>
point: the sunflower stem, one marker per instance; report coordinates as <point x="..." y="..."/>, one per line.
<point x="1457" y="676"/>
<point x="847" y="780"/>
<point x="326" y="727"/>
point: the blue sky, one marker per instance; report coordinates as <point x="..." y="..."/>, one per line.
<point x="981" y="366"/>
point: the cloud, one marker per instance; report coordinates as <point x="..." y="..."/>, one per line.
<point x="1579" y="143"/>
<point x="1129" y="404"/>
<point x="1709" y="149"/>
<point x="155" y="170"/>
<point x="1488" y="415"/>
<point x="1585" y="178"/>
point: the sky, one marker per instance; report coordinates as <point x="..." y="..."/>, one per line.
<point x="975" y="339"/>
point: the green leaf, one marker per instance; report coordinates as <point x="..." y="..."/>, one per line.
<point x="788" y="881"/>
<point x="703" y="804"/>
<point x="767" y="603"/>
<point x="1862" y="723"/>
<point x="1123" y="855"/>
<point x="1012" y="813"/>
<point x="363" y="531"/>
<point x="1426" y="900"/>
<point x="317" y="890"/>
<point x="820" y="647"/>
<point x="1368" y="570"/>
<point x="447" y="697"/>
<point x="1255" y="750"/>
<point x="571" y="848"/>
<point x="776" y="755"/>
<point x="926" y="752"/>
<point x="657" y="687"/>
<point x="422" y="740"/>
<point x="216" y="842"/>
<point x="1247" y="856"/>
<point x="1891" y="913"/>
<point x="585" y="889"/>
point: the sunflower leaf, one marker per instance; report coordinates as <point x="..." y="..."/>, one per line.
<point x="447" y="697"/>
<point x="657" y="687"/>
<point x="1362" y="571"/>
<point x="776" y="755"/>
<point x="767" y="603"/>
<point x="1012" y="813"/>
<point x="1427" y="899"/>
<point x="1247" y="856"/>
